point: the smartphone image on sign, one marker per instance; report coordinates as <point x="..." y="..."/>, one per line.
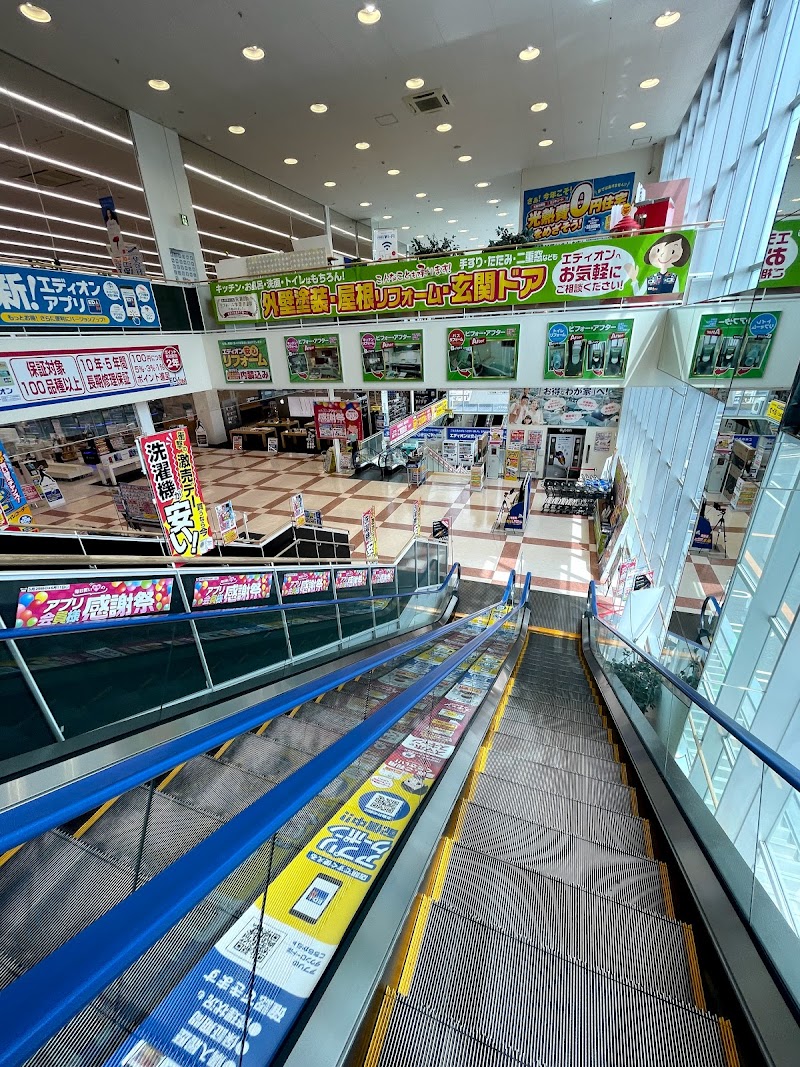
<point x="313" y="902"/>
<point x="131" y="303"/>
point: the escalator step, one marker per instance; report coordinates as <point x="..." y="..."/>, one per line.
<point x="518" y="708"/>
<point x="611" y="828"/>
<point x="258" y="754"/>
<point x="556" y="780"/>
<point x="220" y="789"/>
<point x="547" y="736"/>
<point x="633" y="880"/>
<point x="561" y="724"/>
<point x="646" y="949"/>
<point x="305" y="736"/>
<point x="545" y="1009"/>
<point x="606" y="770"/>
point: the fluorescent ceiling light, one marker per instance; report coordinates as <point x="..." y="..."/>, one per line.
<point x="385" y="217"/>
<point x="420" y="196"/>
<point x="25" y="188"/>
<point x="529" y="53"/>
<point x="34" y="13"/>
<point x="65" y="116"/>
<point x="463" y="231"/>
<point x="420" y="237"/>
<point x="438" y="209"/>
<point x="51" y="236"/>
<point x="494" y="201"/>
<point x="444" y="127"/>
<point x="369" y="15"/>
<point x="502" y="214"/>
<point x="649" y="83"/>
<point x="362" y="146"/>
<point x="482" y="185"/>
<point x="365" y="203"/>
<point x="451" y="221"/>
<point x="254" y="52"/>
<point x="318" y="109"/>
<point x="159" y="85"/>
<point x="546" y="142"/>
<point x="70" y="166"/>
<point x="541" y="105"/>
<point x="241" y="222"/>
<point x="638" y="125"/>
<point x="68" y="251"/>
<point x="464" y="159"/>
<point x="669" y="18"/>
<point x="236" y="241"/>
<point x="236" y="129"/>
<point x="405" y="227"/>
<point x="415" y="83"/>
<point x="71" y="222"/>
<point x="394" y="172"/>
<point x="256" y="196"/>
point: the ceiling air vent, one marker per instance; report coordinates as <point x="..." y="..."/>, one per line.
<point x="425" y="103"/>
<point x="49" y="177"/>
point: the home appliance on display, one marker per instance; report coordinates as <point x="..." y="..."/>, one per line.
<point x="298" y="363"/>
<point x="563" y="453"/>
<point x="755" y="350"/>
<point x="574" y="368"/>
<point x="596" y="355"/>
<point x="717" y="473"/>
<point x="728" y="352"/>
<point x="616" y="352"/>
<point x="556" y="356"/>
<point x="705" y="354"/>
<point x="403" y="361"/>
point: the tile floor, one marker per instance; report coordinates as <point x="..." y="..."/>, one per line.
<point x="556" y="550"/>
<point x="708" y="573"/>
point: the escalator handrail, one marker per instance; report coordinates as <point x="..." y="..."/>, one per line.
<point x="80" y="969"/>
<point x="59" y="806"/>
<point x="782" y="767"/>
<point x="711" y="599"/>
<point x="23" y="633"/>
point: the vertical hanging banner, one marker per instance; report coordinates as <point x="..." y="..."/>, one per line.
<point x="417" y="518"/>
<point x="15" y="512"/>
<point x="127" y="258"/>
<point x="298" y="511"/>
<point x="169" y="465"/>
<point x="226" y="522"/>
<point x="370" y="531"/>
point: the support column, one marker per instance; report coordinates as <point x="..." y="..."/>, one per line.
<point x="144" y="418"/>
<point x="209" y="412"/>
<point x="166" y="189"/>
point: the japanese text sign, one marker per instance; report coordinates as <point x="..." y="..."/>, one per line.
<point x="338" y="420"/>
<point x="382" y="575"/>
<point x="28" y="378"/>
<point x="169" y="465"/>
<point x="370" y="530"/>
<point x="298" y="583"/>
<point x="221" y="589"/>
<point x="226" y="522"/>
<point x="588" y="349"/>
<point x="392" y="355"/>
<point x="574" y="209"/>
<point x="479" y="352"/>
<point x="781" y="269"/>
<point x="733" y="345"/>
<point x="30" y="297"/>
<point x="641" y="265"/>
<point x="351" y="579"/>
<point x="396" y="431"/>
<point x="314" y="359"/>
<point x="14" y="509"/>
<point x="245" y="361"/>
<point x="69" y="605"/>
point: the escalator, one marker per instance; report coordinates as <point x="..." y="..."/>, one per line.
<point x="546" y="883"/>
<point x="55" y="886"/>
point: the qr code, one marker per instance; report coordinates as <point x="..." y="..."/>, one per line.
<point x="251" y="946"/>
<point x="383" y="804"/>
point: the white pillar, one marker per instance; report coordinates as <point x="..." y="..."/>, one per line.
<point x="144" y="418"/>
<point x="209" y="412"/>
<point x="158" y="153"/>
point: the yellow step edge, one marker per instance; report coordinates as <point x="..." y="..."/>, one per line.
<point x="728" y="1043"/>
<point x="162" y="785"/>
<point x="648" y="838"/>
<point x="294" y="711"/>
<point x="381" y="1027"/>
<point x="694" y="967"/>
<point x="414" y="946"/>
<point x="430" y="877"/>
<point x="666" y="889"/>
<point x="634" y="803"/>
<point x="223" y="748"/>
<point x="403" y="942"/>
<point x="442" y="869"/>
<point x="457" y="820"/>
<point x="7" y="855"/>
<point x="623" y="773"/>
<point x="93" y="818"/>
<point x="262" y="728"/>
<point x="554" y="633"/>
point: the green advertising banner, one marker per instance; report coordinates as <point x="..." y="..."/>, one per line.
<point x="607" y="269"/>
<point x="314" y="359"/>
<point x="588" y="349"/>
<point x="739" y="342"/>
<point x="482" y="352"/>
<point x="245" y="361"/>
<point x="781" y="268"/>
<point x="393" y="355"/>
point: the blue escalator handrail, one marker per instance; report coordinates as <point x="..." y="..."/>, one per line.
<point x="214" y="613"/>
<point x="58" y="806"/>
<point x="81" y="968"/>
<point x="710" y="600"/>
<point x="787" y="771"/>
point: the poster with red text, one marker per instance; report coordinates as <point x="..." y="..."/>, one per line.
<point x="169" y="465"/>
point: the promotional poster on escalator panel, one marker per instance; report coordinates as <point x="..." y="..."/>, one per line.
<point x="220" y="589"/>
<point x="298" y="583"/>
<point x="238" y="1003"/>
<point x="75" y="603"/>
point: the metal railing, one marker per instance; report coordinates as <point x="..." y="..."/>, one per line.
<point x="731" y="787"/>
<point x="84" y="966"/>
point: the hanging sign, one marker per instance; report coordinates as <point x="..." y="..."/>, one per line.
<point x="775" y="410"/>
<point x="75" y="603"/>
<point x="169" y="465"/>
<point x="734" y="345"/>
<point x="370" y="532"/>
<point x="574" y="209"/>
<point x="590" y="349"/>
<point x="245" y="361"/>
<point x="15" y="512"/>
<point x="781" y="268"/>
<point x="480" y="352"/>
<point x="618" y="267"/>
<point x="392" y="355"/>
<point x="338" y="420"/>
<point x="314" y="359"/>
<point x="384" y="244"/>
<point x="32" y="297"/>
<point x="417" y="518"/>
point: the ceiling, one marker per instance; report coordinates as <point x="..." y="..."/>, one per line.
<point x="593" y="55"/>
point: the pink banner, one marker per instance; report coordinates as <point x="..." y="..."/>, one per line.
<point x="230" y="589"/>
<point x="68" y="605"/>
<point x="299" y="582"/>
<point x="351" y="579"/>
<point x="382" y="575"/>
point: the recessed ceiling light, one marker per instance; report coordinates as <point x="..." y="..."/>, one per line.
<point x="369" y="15"/>
<point x="329" y="185"/>
<point x="362" y="145"/>
<point x="393" y="171"/>
<point x="158" y="84"/>
<point x="546" y="142"/>
<point x="318" y="109"/>
<point x="420" y="237"/>
<point x="444" y="127"/>
<point x="495" y="201"/>
<point x="386" y="217"/>
<point x="405" y="227"/>
<point x="451" y="221"/>
<point x="365" y="203"/>
<point x="290" y="161"/>
<point x="415" y="83"/>
<point x="420" y="196"/>
<point x="529" y="53"/>
<point x="669" y="18"/>
<point x="464" y="159"/>
<point x="236" y="129"/>
<point x="34" y="13"/>
<point x="438" y="209"/>
<point x="253" y="51"/>
<point x="796" y="199"/>
<point x="463" y="231"/>
<point x="541" y="105"/>
<point x="482" y="185"/>
<point x="638" y="125"/>
<point x="502" y="214"/>
<point x="649" y="83"/>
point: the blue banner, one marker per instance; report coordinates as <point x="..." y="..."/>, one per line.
<point x="31" y="297"/>
<point x="574" y="209"/>
<point x="11" y="495"/>
<point x="466" y="433"/>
